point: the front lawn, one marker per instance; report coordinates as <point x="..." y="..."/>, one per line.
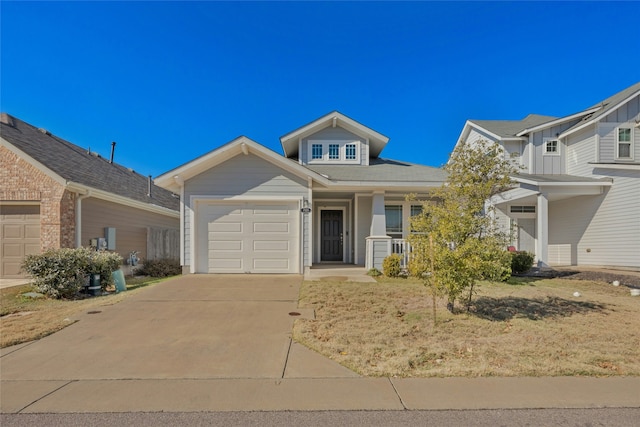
<point x="531" y="327"/>
<point x="25" y="319"/>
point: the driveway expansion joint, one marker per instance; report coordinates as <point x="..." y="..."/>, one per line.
<point x="395" y="390"/>
<point x="45" y="396"/>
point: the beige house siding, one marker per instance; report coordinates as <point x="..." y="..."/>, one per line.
<point x="130" y="223"/>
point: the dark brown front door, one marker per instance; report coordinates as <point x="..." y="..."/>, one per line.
<point x="331" y="231"/>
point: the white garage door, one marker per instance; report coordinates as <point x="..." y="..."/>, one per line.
<point x="251" y="237"/>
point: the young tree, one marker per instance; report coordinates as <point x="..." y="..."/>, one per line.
<point x="456" y="241"/>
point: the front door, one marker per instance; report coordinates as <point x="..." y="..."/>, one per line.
<point x="331" y="232"/>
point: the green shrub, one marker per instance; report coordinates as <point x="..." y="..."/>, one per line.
<point x="374" y="272"/>
<point x="58" y="273"/>
<point x="160" y="268"/>
<point x="391" y="265"/>
<point x="61" y="273"/>
<point x="521" y="262"/>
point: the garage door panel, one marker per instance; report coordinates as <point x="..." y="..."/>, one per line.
<point x="225" y="227"/>
<point x="32" y="249"/>
<point x="271" y="227"/>
<point x="226" y="264"/>
<point x="271" y="210"/>
<point x="251" y="237"/>
<point x="225" y="245"/>
<point x="264" y="264"/>
<point x="271" y="245"/>
<point x="32" y="231"/>
<point x="13" y="231"/>
<point x="12" y="249"/>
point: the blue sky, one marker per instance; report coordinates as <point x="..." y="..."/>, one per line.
<point x="171" y="81"/>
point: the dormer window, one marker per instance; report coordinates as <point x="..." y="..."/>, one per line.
<point x="551" y="146"/>
<point x="335" y="152"/>
<point x="624" y="143"/>
<point x="316" y="151"/>
<point x="350" y="152"/>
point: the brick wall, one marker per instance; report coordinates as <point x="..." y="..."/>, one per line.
<point x="20" y="181"/>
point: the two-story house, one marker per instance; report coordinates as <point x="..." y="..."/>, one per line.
<point x="577" y="200"/>
<point x="330" y="199"/>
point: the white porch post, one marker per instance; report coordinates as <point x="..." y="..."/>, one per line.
<point x="378" y="243"/>
<point x="378" y="220"/>
<point x="542" y="230"/>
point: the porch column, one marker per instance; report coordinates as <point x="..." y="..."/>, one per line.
<point x="378" y="220"/>
<point x="378" y="244"/>
<point x="542" y="230"/>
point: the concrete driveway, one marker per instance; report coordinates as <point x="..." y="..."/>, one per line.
<point x="192" y="327"/>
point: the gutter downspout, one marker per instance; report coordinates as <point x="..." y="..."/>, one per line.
<point x="79" y="217"/>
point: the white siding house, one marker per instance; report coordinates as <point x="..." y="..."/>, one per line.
<point x="330" y="199"/>
<point x="577" y="200"/>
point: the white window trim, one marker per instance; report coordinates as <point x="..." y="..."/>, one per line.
<point x="630" y="142"/>
<point x="325" y="152"/>
<point x="544" y="147"/>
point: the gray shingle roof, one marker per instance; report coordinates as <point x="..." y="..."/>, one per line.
<point x="509" y="128"/>
<point x="77" y="165"/>
<point x="561" y="178"/>
<point x="382" y="170"/>
<point x="607" y="105"/>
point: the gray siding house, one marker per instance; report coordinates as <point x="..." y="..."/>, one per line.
<point x="330" y="199"/>
<point x="577" y="200"/>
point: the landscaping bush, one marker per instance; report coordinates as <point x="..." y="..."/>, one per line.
<point x="160" y="268"/>
<point x="374" y="272"/>
<point x="61" y="273"/>
<point x="391" y="265"/>
<point x="58" y="273"/>
<point x="521" y="262"/>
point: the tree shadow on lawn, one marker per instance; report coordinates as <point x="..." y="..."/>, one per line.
<point x="507" y="308"/>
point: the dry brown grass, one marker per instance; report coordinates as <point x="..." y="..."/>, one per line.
<point x="24" y="319"/>
<point x="531" y="327"/>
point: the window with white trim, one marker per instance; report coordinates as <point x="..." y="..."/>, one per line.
<point x="551" y="146"/>
<point x="335" y="152"/>
<point x="523" y="209"/>
<point x="624" y="139"/>
<point x="350" y="151"/>
<point x="393" y="216"/>
<point x="316" y="151"/>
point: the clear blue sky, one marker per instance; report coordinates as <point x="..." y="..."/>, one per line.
<point x="172" y="81"/>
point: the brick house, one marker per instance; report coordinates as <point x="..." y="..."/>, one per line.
<point x="55" y="194"/>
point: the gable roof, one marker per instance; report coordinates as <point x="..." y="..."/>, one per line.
<point x="604" y="108"/>
<point x="76" y="167"/>
<point x="377" y="141"/>
<point x="173" y="179"/>
<point x="510" y="128"/>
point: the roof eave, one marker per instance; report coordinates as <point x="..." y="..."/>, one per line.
<point x="557" y="121"/>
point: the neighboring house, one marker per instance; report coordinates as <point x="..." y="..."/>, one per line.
<point x="329" y="199"/>
<point x="577" y="200"/>
<point x="54" y="194"/>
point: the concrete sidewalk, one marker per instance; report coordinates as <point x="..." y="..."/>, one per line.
<point x="223" y="343"/>
<point x="245" y="394"/>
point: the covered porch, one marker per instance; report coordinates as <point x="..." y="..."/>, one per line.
<point x="360" y="228"/>
<point x="540" y="217"/>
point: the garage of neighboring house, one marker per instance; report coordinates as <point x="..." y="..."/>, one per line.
<point x="20" y="236"/>
<point x="248" y="237"/>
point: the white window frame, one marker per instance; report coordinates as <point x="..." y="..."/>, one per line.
<point x="313" y="146"/>
<point x="630" y="142"/>
<point x="342" y="151"/>
<point x="547" y="141"/>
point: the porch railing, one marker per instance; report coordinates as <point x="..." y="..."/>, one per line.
<point x="402" y="248"/>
